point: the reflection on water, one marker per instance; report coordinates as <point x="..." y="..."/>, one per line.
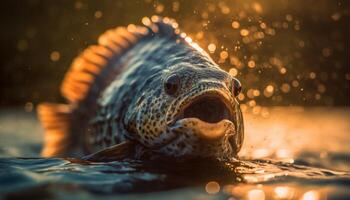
<point x="256" y="179"/>
<point x="295" y="153"/>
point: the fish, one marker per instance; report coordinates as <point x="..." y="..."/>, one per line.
<point x="144" y="89"/>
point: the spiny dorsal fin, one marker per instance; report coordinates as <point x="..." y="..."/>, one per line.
<point x="86" y="77"/>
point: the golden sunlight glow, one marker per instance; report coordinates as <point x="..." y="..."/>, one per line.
<point x="260" y="153"/>
<point x="311" y="195"/>
<point x="265" y="112"/>
<point x="283" y="192"/>
<point x="284" y="153"/>
<point x="256" y="194"/>
<point x="256" y="110"/>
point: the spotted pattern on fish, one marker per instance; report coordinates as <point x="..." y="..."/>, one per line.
<point x="161" y="91"/>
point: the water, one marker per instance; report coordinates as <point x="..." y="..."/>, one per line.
<point x="290" y="153"/>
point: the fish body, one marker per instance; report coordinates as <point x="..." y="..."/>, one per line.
<point x="150" y="85"/>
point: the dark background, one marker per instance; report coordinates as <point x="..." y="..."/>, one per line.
<point x="289" y="53"/>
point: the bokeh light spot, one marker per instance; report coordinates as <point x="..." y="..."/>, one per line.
<point x="212" y="187"/>
<point x="244" y="32"/>
<point x="233" y="72"/>
<point x="211" y="48"/>
<point x="98" y="14"/>
<point x="55" y="56"/>
<point x="251" y="63"/>
<point x="235" y="24"/>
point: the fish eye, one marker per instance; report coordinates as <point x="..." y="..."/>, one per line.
<point x="236" y="87"/>
<point x="172" y="84"/>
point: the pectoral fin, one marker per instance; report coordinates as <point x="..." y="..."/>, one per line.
<point x="117" y="152"/>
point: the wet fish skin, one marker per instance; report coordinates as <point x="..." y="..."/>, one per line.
<point x="134" y="105"/>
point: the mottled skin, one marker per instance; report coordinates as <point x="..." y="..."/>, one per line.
<point x="135" y="106"/>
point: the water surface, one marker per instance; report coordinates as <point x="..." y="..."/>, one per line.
<point x="290" y="153"/>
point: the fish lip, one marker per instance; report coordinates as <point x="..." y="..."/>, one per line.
<point x="224" y="126"/>
<point x="219" y="93"/>
<point x="211" y="93"/>
<point x="178" y="129"/>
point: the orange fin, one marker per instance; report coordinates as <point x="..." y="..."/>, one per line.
<point x="85" y="76"/>
<point x="90" y="71"/>
<point x="56" y="120"/>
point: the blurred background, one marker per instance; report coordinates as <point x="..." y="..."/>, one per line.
<point x="284" y="52"/>
<point x="289" y="53"/>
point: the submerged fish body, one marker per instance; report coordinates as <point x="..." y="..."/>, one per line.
<point x="149" y="85"/>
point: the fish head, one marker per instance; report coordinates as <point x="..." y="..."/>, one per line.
<point x="190" y="110"/>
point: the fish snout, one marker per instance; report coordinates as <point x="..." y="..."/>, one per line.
<point x="197" y="138"/>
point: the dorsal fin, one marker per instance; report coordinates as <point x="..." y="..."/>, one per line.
<point x="86" y="76"/>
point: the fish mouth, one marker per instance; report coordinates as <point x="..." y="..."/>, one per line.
<point x="209" y="107"/>
<point x="204" y="126"/>
<point x="212" y="106"/>
<point x="208" y="115"/>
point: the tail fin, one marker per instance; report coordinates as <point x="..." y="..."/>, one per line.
<point x="56" y="120"/>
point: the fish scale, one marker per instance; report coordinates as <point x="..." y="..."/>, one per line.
<point x="134" y="87"/>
